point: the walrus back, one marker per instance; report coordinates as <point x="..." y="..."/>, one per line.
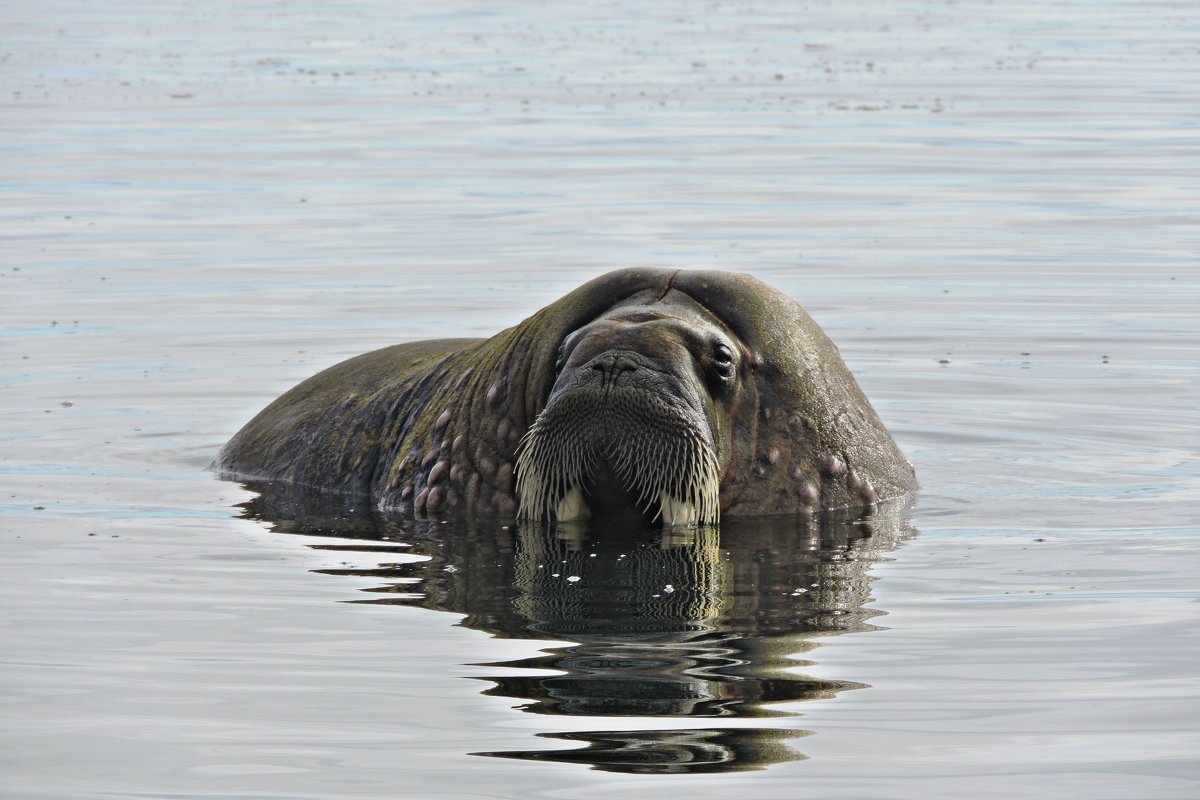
<point x="329" y="431"/>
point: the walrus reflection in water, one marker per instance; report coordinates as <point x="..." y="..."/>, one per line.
<point x="678" y="396"/>
<point x="702" y="634"/>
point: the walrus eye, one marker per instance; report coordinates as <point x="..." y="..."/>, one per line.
<point x="722" y="361"/>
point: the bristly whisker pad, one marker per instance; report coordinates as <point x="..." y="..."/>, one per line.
<point x="660" y="453"/>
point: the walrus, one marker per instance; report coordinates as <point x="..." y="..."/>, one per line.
<point x="674" y="396"/>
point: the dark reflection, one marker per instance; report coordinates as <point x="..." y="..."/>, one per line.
<point x="667" y="752"/>
<point x="693" y="624"/>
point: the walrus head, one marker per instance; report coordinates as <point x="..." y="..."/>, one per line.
<point x="638" y="418"/>
<point x="682" y="396"/>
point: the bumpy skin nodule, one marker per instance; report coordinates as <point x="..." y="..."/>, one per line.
<point x="434" y="425"/>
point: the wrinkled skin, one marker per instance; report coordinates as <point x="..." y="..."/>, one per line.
<point x="434" y="425"/>
<point x="665" y="375"/>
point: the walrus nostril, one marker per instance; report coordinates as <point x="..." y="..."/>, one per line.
<point x="611" y="366"/>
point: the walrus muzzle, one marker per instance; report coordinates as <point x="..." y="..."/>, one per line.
<point x="621" y="429"/>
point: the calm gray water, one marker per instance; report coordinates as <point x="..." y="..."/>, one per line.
<point x="991" y="206"/>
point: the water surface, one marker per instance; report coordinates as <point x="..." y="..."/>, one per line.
<point x="990" y="207"/>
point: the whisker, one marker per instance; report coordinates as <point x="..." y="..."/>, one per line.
<point x="659" y="457"/>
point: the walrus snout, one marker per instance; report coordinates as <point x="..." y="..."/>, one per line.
<point x="622" y="448"/>
<point x="622" y="369"/>
<point x="613" y="366"/>
<point x="628" y="426"/>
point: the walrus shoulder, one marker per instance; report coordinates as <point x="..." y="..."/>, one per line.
<point x="333" y="425"/>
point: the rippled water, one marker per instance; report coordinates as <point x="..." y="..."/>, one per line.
<point x="991" y="207"/>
